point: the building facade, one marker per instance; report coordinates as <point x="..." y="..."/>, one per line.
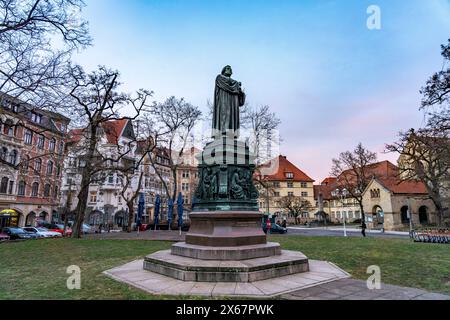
<point x="106" y="204"/>
<point x="284" y="180"/>
<point x="391" y="203"/>
<point x="31" y="161"/>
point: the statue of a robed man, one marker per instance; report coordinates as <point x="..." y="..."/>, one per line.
<point x="228" y="97"/>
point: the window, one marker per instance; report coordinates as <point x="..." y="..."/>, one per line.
<point x="37" y="166"/>
<point x="290" y="194"/>
<point x="50" y="168"/>
<point x="55" y="192"/>
<point x="289" y="175"/>
<point x="37" y="118"/>
<point x="290" y="184"/>
<point x="52" y="145"/>
<point x="276" y="184"/>
<point x="185" y="174"/>
<point x="26" y="163"/>
<point x="13" y="157"/>
<point x="110" y="179"/>
<point x="47" y="190"/>
<point x="21" y="188"/>
<point x="276" y="194"/>
<point x="35" y="189"/>
<point x="8" y="128"/>
<point x="304" y="184"/>
<point x="60" y="147"/>
<point x="304" y="194"/>
<point x="3" y="153"/>
<point x="40" y="141"/>
<point x="185" y="186"/>
<point x="58" y="170"/>
<point x="4" y="185"/>
<point x="93" y="197"/>
<point x="28" y="138"/>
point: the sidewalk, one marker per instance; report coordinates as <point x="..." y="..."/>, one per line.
<point x="162" y="235"/>
<point x="350" y="229"/>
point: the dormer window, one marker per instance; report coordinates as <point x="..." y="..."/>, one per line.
<point x="289" y="175"/>
<point x="36" y="118"/>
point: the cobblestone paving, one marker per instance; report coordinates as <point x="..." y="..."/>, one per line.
<point x="351" y="289"/>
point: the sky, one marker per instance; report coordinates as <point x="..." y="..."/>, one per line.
<point x="331" y="80"/>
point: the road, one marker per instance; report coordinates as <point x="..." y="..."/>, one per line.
<point x="337" y="232"/>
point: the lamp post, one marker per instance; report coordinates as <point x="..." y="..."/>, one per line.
<point x="341" y="194"/>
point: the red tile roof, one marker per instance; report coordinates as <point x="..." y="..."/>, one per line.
<point x="328" y="180"/>
<point x="285" y="166"/>
<point x="397" y="186"/>
<point x="113" y="129"/>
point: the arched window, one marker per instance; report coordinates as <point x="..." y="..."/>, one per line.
<point x="4" y="185"/>
<point x="28" y="137"/>
<point x="37" y="166"/>
<point x="52" y="144"/>
<point x="8" y="128"/>
<point x="49" y="167"/>
<point x="61" y="148"/>
<point x="404" y="214"/>
<point x="21" y="188"/>
<point x="55" y="192"/>
<point x="47" y="190"/>
<point x="13" y="157"/>
<point x="58" y="170"/>
<point x="35" y="189"/>
<point x="3" y="153"/>
<point x="26" y="163"/>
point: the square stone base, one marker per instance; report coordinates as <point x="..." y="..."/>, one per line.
<point x="320" y="272"/>
<point x="250" y="270"/>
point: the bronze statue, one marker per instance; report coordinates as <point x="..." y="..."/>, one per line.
<point x="228" y="97"/>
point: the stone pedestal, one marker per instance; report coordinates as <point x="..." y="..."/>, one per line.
<point x="226" y="236"/>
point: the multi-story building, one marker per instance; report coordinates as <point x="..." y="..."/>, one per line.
<point x="106" y="205"/>
<point x="285" y="180"/>
<point x="31" y="161"/>
<point x="154" y="181"/>
<point x="385" y="200"/>
<point x="187" y="176"/>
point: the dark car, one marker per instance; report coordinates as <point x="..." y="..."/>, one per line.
<point x="17" y="233"/>
<point x="274" y="227"/>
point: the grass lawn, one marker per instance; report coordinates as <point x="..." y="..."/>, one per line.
<point x="37" y="269"/>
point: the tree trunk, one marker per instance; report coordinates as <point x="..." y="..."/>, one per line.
<point x="363" y="215"/>
<point x="130" y="215"/>
<point x="85" y="182"/>
<point x="81" y="207"/>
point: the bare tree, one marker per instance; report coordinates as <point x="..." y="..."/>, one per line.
<point x="425" y="156"/>
<point x="30" y="65"/>
<point x="263" y="124"/>
<point x="170" y="124"/>
<point x="425" y="153"/>
<point x="95" y="101"/>
<point x="295" y="206"/>
<point x="353" y="172"/>
<point x="130" y="193"/>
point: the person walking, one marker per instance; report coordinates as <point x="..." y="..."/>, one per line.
<point x="363" y="229"/>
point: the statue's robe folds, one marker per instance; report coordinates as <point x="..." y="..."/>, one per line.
<point x="228" y="97"/>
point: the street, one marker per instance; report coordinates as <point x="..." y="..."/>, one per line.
<point x="336" y="232"/>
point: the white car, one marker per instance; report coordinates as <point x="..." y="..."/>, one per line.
<point x="42" y="232"/>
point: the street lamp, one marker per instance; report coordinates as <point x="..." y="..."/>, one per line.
<point x="342" y="194"/>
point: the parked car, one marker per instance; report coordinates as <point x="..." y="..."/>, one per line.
<point x="43" y="232"/>
<point x="57" y="228"/>
<point x="87" y="229"/>
<point x="18" y="233"/>
<point x="274" y="227"/>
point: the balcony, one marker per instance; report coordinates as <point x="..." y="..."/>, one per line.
<point x="7" y="197"/>
<point x="16" y="142"/>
